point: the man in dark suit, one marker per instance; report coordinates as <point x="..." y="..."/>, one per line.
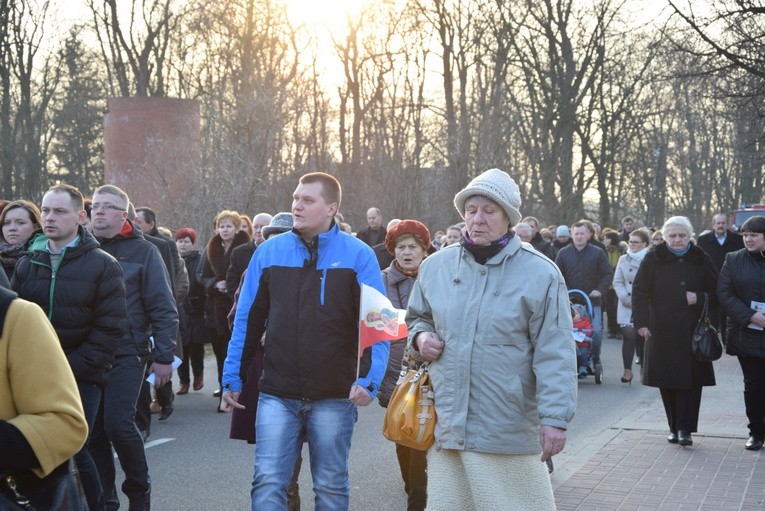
<point x="716" y="244"/>
<point x="374" y="233"/>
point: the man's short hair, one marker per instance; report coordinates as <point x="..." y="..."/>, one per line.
<point x="532" y="219"/>
<point x="78" y="202"/>
<point x="148" y="214"/>
<point x="586" y="223"/>
<point x="628" y="219"/>
<point x="330" y="186"/>
<point x="113" y="190"/>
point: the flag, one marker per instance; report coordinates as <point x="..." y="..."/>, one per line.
<point x="379" y="320"/>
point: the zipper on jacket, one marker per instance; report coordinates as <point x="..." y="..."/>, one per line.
<point x="323" y="283"/>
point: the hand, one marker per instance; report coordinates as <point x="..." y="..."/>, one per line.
<point x="691" y="297"/>
<point x="221" y="286"/>
<point x="758" y="318"/>
<point x="429" y="345"/>
<point x="229" y="401"/>
<point x="644" y="333"/>
<point x="552" y="439"/>
<point x="626" y="302"/>
<point x="162" y="373"/>
<point x="595" y="293"/>
<point x="360" y="396"/>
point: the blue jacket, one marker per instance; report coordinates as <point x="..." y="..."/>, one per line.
<point x="306" y="299"/>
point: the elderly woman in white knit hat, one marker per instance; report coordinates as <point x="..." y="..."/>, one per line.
<point x="492" y="316"/>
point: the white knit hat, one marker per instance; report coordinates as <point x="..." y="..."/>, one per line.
<point x="496" y="185"/>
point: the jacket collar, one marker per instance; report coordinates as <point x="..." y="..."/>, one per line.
<point x="694" y="255"/>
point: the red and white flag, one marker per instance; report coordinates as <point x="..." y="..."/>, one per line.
<point x="379" y="320"/>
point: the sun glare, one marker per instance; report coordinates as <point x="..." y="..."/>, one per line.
<point x="327" y="14"/>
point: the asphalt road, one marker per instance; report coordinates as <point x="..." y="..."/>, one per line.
<point x="194" y="466"/>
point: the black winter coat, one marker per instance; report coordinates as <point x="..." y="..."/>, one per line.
<point x="150" y="302"/>
<point x="85" y="302"/>
<point x="742" y="280"/>
<point x="659" y="302"/>
<point x="708" y="243"/>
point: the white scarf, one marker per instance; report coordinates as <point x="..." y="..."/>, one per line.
<point x="639" y="255"/>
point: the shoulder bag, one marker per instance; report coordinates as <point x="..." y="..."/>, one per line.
<point x="707" y="346"/>
<point x="410" y="418"/>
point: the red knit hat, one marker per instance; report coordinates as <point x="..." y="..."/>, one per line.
<point x="186" y="232"/>
<point x="403" y="228"/>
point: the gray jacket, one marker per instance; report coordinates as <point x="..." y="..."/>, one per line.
<point x="398" y="288"/>
<point x="509" y="361"/>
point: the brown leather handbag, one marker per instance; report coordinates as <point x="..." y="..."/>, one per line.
<point x="410" y="418"/>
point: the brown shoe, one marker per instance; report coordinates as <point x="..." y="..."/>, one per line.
<point x="198" y="383"/>
<point x="183" y="389"/>
<point x="154" y="407"/>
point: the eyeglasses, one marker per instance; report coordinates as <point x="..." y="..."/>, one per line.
<point x="107" y="206"/>
<point x="631" y="242"/>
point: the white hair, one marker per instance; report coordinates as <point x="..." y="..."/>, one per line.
<point x="677" y="221"/>
<point x="523" y="226"/>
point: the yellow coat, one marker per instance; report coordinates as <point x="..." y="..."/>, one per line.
<point x="38" y="394"/>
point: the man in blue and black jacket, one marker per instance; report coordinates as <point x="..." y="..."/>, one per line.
<point x="302" y="290"/>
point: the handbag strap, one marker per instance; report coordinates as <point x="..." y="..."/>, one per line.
<point x="705" y="309"/>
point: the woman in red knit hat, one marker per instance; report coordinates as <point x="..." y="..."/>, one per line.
<point x="408" y="241"/>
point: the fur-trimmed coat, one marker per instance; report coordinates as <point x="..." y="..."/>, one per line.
<point x="214" y="267"/>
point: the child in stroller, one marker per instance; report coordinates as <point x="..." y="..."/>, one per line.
<point x="583" y="337"/>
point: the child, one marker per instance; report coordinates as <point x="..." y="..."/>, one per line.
<point x="582" y="336"/>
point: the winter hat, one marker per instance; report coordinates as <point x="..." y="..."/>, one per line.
<point x="403" y="228"/>
<point x="281" y="222"/>
<point x="186" y="232"/>
<point x="562" y="230"/>
<point x="496" y="185"/>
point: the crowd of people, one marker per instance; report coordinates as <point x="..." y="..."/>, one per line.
<point x="116" y="301"/>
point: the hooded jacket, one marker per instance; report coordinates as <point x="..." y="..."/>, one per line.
<point x="150" y="303"/>
<point x="84" y="299"/>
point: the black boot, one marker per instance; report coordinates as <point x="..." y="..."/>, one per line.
<point x="139" y="501"/>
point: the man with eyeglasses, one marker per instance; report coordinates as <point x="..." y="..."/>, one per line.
<point x="151" y="311"/>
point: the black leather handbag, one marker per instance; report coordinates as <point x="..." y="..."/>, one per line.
<point x="707" y="345"/>
<point x="59" y="490"/>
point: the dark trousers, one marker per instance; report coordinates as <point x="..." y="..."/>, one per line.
<point x="682" y="408"/>
<point x="754" y="393"/>
<point x="413" y="465"/>
<point x="629" y="341"/>
<point x="610" y="303"/>
<point x="220" y="349"/>
<point x="90" y="395"/>
<point x="194" y="355"/>
<point x="115" y="427"/>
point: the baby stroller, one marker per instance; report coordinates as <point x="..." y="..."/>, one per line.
<point x="581" y="303"/>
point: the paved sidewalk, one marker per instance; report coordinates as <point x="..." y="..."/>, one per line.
<point x="633" y="467"/>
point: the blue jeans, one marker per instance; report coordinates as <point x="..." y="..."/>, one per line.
<point x="90" y="395"/>
<point x="281" y="425"/>
<point x="115" y="426"/>
<point x="597" y="332"/>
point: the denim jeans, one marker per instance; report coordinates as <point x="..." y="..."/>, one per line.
<point x="115" y="426"/>
<point x="90" y="395"/>
<point x="280" y="424"/>
<point x="597" y="332"/>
